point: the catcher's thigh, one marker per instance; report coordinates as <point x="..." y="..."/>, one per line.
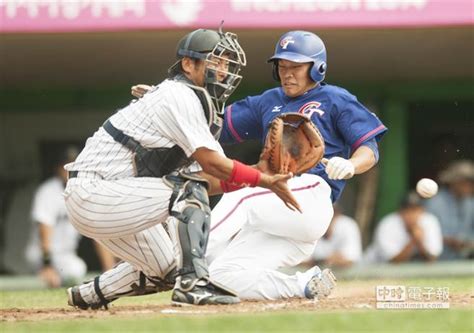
<point x="102" y="209"/>
<point x="150" y="251"/>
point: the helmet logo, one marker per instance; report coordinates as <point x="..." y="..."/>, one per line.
<point x="286" y="41"/>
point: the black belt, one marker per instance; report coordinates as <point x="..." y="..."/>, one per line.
<point x="72" y="174"/>
<point x="84" y="174"/>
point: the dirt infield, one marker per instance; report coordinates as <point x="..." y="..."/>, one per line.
<point x="346" y="298"/>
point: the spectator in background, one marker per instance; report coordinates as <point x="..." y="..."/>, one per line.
<point x="409" y="233"/>
<point x="454" y="207"/>
<point x="341" y="245"/>
<point x="54" y="241"/>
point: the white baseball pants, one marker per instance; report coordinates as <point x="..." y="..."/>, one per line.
<point x="253" y="234"/>
<point x="125" y="216"/>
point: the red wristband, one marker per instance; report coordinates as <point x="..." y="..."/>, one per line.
<point x="228" y="187"/>
<point x="244" y="175"/>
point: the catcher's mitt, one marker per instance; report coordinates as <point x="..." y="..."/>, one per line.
<point x="293" y="144"/>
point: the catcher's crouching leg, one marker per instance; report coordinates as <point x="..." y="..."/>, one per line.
<point x="96" y="299"/>
<point x="193" y="216"/>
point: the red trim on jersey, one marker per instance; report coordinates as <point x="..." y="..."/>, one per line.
<point x="364" y="137"/>
<point x="257" y="194"/>
<point x="231" y="126"/>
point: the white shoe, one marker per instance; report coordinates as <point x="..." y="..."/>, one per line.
<point x="320" y="285"/>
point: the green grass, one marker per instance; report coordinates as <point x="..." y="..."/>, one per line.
<point x="374" y="321"/>
<point x="57" y="298"/>
<point x="347" y="320"/>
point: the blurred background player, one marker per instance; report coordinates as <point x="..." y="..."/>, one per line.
<point x="407" y="234"/>
<point x="454" y="207"/>
<point x="52" y="250"/>
<point x="341" y="245"/>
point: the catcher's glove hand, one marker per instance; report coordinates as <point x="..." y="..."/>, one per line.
<point x="293" y="144"/>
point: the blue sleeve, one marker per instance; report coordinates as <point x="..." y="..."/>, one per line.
<point x="242" y="121"/>
<point x="372" y="144"/>
<point x="357" y="124"/>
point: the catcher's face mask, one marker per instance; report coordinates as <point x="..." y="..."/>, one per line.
<point x="222" y="57"/>
<point x="223" y="65"/>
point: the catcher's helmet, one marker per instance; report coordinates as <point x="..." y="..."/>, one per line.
<point x="301" y="46"/>
<point x="197" y="44"/>
<point x="213" y="46"/>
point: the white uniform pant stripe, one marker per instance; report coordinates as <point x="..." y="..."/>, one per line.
<point x="122" y="275"/>
<point x="134" y="233"/>
<point x="126" y="206"/>
<point x="113" y="283"/>
<point x="95" y="214"/>
<point x="88" y="215"/>
<point x="150" y="251"/>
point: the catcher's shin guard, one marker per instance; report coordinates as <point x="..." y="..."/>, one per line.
<point x="193" y="213"/>
<point x="193" y="218"/>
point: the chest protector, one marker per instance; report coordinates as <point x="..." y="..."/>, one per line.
<point x="157" y="162"/>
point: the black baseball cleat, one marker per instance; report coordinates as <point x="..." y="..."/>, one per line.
<point x="75" y="299"/>
<point x="204" y="292"/>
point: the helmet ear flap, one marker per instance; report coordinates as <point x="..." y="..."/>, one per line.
<point x="318" y="71"/>
<point x="275" y="74"/>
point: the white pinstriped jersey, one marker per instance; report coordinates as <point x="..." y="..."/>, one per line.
<point x="170" y="114"/>
<point x="124" y="212"/>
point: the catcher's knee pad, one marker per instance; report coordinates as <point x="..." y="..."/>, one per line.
<point x="194" y="215"/>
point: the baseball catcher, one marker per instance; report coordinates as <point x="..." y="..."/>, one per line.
<point x="293" y="144"/>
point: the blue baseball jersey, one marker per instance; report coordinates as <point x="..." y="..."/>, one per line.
<point x="343" y="121"/>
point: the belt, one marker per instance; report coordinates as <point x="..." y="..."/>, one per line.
<point x="72" y="174"/>
<point x="84" y="174"/>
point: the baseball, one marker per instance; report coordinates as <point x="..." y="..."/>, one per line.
<point x="427" y="188"/>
